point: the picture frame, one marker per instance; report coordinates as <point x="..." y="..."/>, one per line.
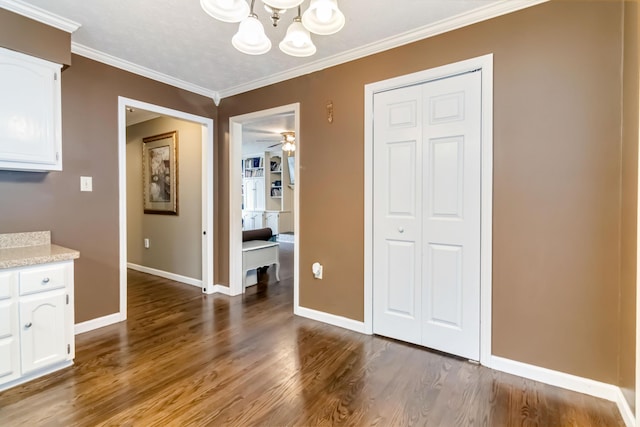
<point x="160" y="173"/>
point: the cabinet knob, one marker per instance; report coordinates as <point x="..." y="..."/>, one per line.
<point x="400" y="230"/>
<point x="45" y="280"/>
<point x="28" y="325"/>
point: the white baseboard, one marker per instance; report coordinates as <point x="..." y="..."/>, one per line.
<point x="625" y="410"/>
<point x="165" y="274"/>
<point x="331" y="319"/>
<point x="567" y="381"/>
<point x="221" y="289"/>
<point x="555" y="378"/>
<point x="99" y="322"/>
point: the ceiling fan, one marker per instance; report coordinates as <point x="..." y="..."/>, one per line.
<point x="278" y="141"/>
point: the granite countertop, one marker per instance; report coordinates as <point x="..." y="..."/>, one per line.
<point x="24" y="249"/>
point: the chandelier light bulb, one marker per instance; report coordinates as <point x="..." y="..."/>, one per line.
<point x="323" y="17"/>
<point x="288" y="147"/>
<point x="297" y="42"/>
<point x="226" y="10"/>
<point x="288" y="141"/>
<point x="324" y="12"/>
<point x="297" y="34"/>
<point x="250" y="38"/>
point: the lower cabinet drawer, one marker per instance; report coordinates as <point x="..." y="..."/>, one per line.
<point x="42" y="279"/>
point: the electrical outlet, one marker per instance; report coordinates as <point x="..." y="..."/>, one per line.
<point x="86" y="183"/>
<point x="316" y="268"/>
<point x="146" y="243"/>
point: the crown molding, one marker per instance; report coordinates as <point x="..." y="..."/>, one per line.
<point x="40" y="15"/>
<point x="462" y="20"/>
<point x="122" y="64"/>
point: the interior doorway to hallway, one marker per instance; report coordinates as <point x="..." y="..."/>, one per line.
<point x="206" y="131"/>
<point x="264" y="183"/>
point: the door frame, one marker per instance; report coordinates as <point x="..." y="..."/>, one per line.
<point x="207" y="284"/>
<point x="485" y="63"/>
<point x="235" y="196"/>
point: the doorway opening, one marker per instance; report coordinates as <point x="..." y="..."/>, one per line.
<point x="256" y="137"/>
<point x="205" y="130"/>
<point x="485" y="64"/>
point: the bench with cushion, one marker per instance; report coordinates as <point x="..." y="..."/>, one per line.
<point x="257" y="234"/>
<point x="258" y="251"/>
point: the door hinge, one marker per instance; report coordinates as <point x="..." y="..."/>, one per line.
<point x="55" y="76"/>
<point x="68" y="348"/>
<point x="57" y="156"/>
<point x="67" y="299"/>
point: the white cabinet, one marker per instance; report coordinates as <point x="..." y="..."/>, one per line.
<point x="254" y="194"/>
<point x="30" y="118"/>
<point x="266" y="197"/>
<point x="42" y="333"/>
<point x="272" y="220"/>
<point x="36" y="321"/>
<point x="9" y="331"/>
<point x="279" y="222"/>
<point x="252" y="220"/>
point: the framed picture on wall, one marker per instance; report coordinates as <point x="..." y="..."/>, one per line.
<point x="160" y="173"/>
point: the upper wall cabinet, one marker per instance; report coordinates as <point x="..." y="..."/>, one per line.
<point x="30" y="119"/>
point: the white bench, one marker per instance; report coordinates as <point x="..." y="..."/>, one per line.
<point x="259" y="253"/>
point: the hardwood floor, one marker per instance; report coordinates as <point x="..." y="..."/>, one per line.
<point x="184" y="358"/>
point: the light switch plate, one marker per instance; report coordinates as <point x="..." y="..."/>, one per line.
<point x="86" y="183"/>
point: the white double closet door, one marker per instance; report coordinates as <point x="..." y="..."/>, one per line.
<point x="426" y="214"/>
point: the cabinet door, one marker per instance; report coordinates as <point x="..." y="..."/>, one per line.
<point x="254" y="194"/>
<point x="258" y="221"/>
<point x="29" y="113"/>
<point x="249" y="221"/>
<point x="272" y="220"/>
<point x="9" y="339"/>
<point x="249" y="194"/>
<point x="260" y="197"/>
<point x="42" y="330"/>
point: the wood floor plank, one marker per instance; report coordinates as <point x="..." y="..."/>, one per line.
<point x="187" y="359"/>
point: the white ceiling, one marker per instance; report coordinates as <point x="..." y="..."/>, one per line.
<point x="177" y="42"/>
<point x="136" y="115"/>
<point x="264" y="134"/>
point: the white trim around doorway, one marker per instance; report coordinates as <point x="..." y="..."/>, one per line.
<point x="207" y="193"/>
<point x="486" y="64"/>
<point x="235" y="197"/>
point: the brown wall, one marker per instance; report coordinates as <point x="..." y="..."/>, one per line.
<point x="557" y="171"/>
<point x="628" y="232"/>
<point x="88" y="222"/>
<point x="558" y="255"/>
<point x="175" y="240"/>
<point x="27" y="36"/>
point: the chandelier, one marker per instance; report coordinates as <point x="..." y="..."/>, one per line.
<point x="288" y="141"/>
<point x="322" y="17"/>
